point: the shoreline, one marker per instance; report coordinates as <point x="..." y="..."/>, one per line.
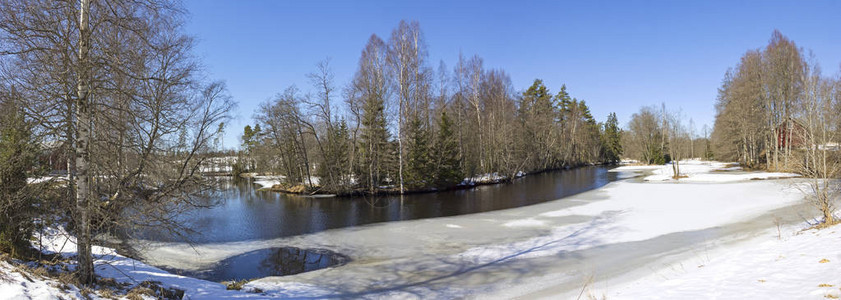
<point x="395" y="192"/>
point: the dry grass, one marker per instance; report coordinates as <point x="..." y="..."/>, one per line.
<point x="86" y="293"/>
<point x="138" y="292"/>
<point x="825" y="285"/>
<point x="67" y="279"/>
<point x="107" y="294"/>
<point x="298" y="189"/>
<point x="235" y="285"/>
<point x="823" y="261"/>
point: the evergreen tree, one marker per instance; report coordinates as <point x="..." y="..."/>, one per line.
<point x="612" y="139"/>
<point x="18" y="200"/>
<point x="418" y="164"/>
<point x="336" y="158"/>
<point x="245" y="162"/>
<point x="247" y="138"/>
<point x="445" y="149"/>
<point x="564" y="102"/>
<point x="374" y="149"/>
<point x="538" y="116"/>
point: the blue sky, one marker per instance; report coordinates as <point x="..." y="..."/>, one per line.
<point x="618" y="56"/>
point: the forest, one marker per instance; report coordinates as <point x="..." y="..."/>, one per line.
<point x="401" y="125"/>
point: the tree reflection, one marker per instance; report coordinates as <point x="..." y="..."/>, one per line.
<point x="290" y="260"/>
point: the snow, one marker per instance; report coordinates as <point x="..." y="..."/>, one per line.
<point x="489" y="178"/>
<point x="524" y="223"/>
<point x="796" y="265"/>
<point x="697" y="171"/>
<point x="619" y="233"/>
<point x="711" y="236"/>
<point x="109" y="264"/>
<point x="43" y="179"/>
<point x="267" y="181"/>
<point x="270" y="181"/>
<point x="13" y="285"/>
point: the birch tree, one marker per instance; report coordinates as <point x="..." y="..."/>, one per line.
<point x="117" y="84"/>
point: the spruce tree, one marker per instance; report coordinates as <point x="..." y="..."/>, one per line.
<point x="445" y="151"/>
<point x="418" y="164"/>
<point x="374" y="149"/>
<point x="337" y="156"/>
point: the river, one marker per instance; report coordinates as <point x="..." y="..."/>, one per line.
<point x="245" y="214"/>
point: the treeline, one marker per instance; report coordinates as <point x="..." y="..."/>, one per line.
<point x="776" y="111"/>
<point x="764" y="103"/>
<point x="658" y="136"/>
<point x="401" y="124"/>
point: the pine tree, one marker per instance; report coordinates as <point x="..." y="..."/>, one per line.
<point x="564" y="102"/>
<point x="612" y="139"/>
<point x="445" y="152"/>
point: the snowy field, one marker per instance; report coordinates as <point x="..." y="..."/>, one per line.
<point x="713" y="234"/>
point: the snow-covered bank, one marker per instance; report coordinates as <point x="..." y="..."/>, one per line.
<point x="698" y="171"/>
<point x="108" y="264"/>
<point x="267" y="181"/>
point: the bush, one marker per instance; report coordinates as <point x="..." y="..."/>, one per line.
<point x="18" y="199"/>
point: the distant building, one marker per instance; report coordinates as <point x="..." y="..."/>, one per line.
<point x="796" y="136"/>
<point x="830" y="147"/>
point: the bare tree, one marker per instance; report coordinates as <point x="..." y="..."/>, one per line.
<point x="820" y="165"/>
<point x="119" y="88"/>
<point x="643" y="139"/>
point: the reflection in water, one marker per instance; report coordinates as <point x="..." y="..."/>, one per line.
<point x="271" y="262"/>
<point x="244" y="213"/>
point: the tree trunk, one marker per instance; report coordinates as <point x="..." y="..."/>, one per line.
<point x="83" y="131"/>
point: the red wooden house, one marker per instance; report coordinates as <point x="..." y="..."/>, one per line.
<point x="791" y="131"/>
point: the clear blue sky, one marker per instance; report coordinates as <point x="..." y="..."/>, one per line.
<point x="618" y="56"/>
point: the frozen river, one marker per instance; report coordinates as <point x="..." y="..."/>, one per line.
<point x="611" y="234"/>
<point x="244" y="214"/>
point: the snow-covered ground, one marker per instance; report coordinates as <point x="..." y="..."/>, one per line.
<point x="108" y="264"/>
<point x="796" y="264"/>
<point x="631" y="239"/>
<point x="267" y="181"/>
<point x="698" y="171"/>
<point x="489" y="178"/>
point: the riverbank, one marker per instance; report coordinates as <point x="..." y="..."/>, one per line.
<point x="622" y="238"/>
<point x="275" y="183"/>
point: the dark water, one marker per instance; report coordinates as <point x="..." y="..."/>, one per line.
<point x="244" y="213"/>
<point x="271" y="262"/>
